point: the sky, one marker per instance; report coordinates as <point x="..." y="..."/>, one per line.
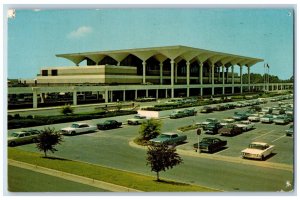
<point x="35" y="36"/>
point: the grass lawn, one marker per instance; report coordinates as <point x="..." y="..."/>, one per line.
<point x="23" y="180"/>
<point x="188" y="128"/>
<point x="119" y="177"/>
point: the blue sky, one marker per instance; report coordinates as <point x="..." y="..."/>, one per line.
<point x="35" y="36"/>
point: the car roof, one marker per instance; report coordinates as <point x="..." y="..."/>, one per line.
<point x="211" y="138"/>
<point x="170" y="133"/>
<point x="260" y="143"/>
<point x="80" y="123"/>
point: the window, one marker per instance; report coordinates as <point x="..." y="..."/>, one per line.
<point x="44" y="72"/>
<point x="54" y="72"/>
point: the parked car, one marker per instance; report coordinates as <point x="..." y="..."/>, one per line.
<point x="227" y="121"/>
<point x="238" y="116"/>
<point x="77" y="128"/>
<point x="254" y="117"/>
<point x="277" y="111"/>
<point x="290" y="131"/>
<point x="267" y="118"/>
<point x="210" y="144"/>
<point x="245" y="125"/>
<point x="281" y="119"/>
<point x="206" y="109"/>
<point x="212" y="128"/>
<point x="109" y="124"/>
<point x="207" y="121"/>
<point x="190" y="112"/>
<point x="169" y="138"/>
<point x="220" y="107"/>
<point x="267" y="110"/>
<point x="177" y="114"/>
<point x="230" y="130"/>
<point x="22" y="137"/>
<point x="137" y="119"/>
<point x="258" y="150"/>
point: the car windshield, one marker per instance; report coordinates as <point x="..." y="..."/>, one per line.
<point x="15" y="134"/>
<point x="164" y="136"/>
<point x="207" y="140"/>
<point x="257" y="146"/>
<point x="74" y="125"/>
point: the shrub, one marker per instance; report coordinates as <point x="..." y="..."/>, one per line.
<point x="17" y="116"/>
<point x="67" y="109"/>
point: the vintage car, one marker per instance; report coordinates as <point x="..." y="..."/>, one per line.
<point x="206" y="109"/>
<point x="238" y="116"/>
<point x="227" y="121"/>
<point x="220" y="107"/>
<point x="109" y="124"/>
<point x="212" y="128"/>
<point x="254" y="117"/>
<point x="267" y="110"/>
<point x="207" y="121"/>
<point x="22" y="137"/>
<point x="245" y="125"/>
<point x="230" y="130"/>
<point x="258" y="150"/>
<point x="77" y="128"/>
<point x="177" y="114"/>
<point x="281" y="119"/>
<point x="137" y="119"/>
<point x="277" y="111"/>
<point x="169" y="138"/>
<point x="290" y="131"/>
<point x="210" y="144"/>
<point x="267" y="118"/>
<point x="190" y="112"/>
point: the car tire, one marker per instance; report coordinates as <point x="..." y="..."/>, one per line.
<point x="12" y="144"/>
<point x="34" y="140"/>
<point x="262" y="157"/>
<point x="73" y="133"/>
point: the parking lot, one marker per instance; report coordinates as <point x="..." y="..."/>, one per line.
<point x="112" y="148"/>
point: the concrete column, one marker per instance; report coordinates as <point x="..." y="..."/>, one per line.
<point x="124" y="95"/>
<point x="34" y="99"/>
<point x="201" y="74"/>
<point x="232" y="78"/>
<point x="74" y="97"/>
<point x="42" y="95"/>
<point x="249" y="78"/>
<point x="223" y="80"/>
<point x="201" y="91"/>
<point x="277" y="86"/>
<point x="241" y="78"/>
<point x="213" y="78"/>
<point x="106" y="96"/>
<point x="188" y="73"/>
<point x="166" y="93"/>
<point x="146" y="92"/>
<point x="175" y="72"/>
<point x="172" y="78"/>
<point x="157" y="93"/>
<point x="135" y="94"/>
<point x="161" y="73"/>
<point x="144" y="72"/>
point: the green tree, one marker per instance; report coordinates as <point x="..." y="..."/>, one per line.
<point x="161" y="157"/>
<point x="48" y="139"/>
<point x="67" y="109"/>
<point x="150" y="129"/>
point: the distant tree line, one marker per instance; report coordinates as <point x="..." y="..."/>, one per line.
<point x="258" y="78"/>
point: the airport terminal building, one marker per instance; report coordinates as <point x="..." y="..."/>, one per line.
<point x="159" y="72"/>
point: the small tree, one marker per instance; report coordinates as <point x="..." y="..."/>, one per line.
<point x="67" y="109"/>
<point x="150" y="129"/>
<point x="119" y="106"/>
<point x="47" y="140"/>
<point x="161" y="157"/>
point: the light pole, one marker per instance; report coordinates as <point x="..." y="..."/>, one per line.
<point x="198" y="133"/>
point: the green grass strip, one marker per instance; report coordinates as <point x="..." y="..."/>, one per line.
<point x="188" y="128"/>
<point x="119" y="177"/>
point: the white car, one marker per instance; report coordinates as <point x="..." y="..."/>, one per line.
<point x="227" y="121"/>
<point x="245" y="125"/>
<point x="258" y="150"/>
<point x="137" y="119"/>
<point x="206" y="122"/>
<point x="77" y="128"/>
<point x="254" y="117"/>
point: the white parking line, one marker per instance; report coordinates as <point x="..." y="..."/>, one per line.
<point x="279" y="138"/>
<point x="263" y="134"/>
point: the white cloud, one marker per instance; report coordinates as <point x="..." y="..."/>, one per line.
<point x="80" y="32"/>
<point x="37" y="10"/>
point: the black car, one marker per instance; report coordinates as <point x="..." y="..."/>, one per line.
<point x="212" y="128"/>
<point x="109" y="124"/>
<point x="207" y="109"/>
<point x="210" y="144"/>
